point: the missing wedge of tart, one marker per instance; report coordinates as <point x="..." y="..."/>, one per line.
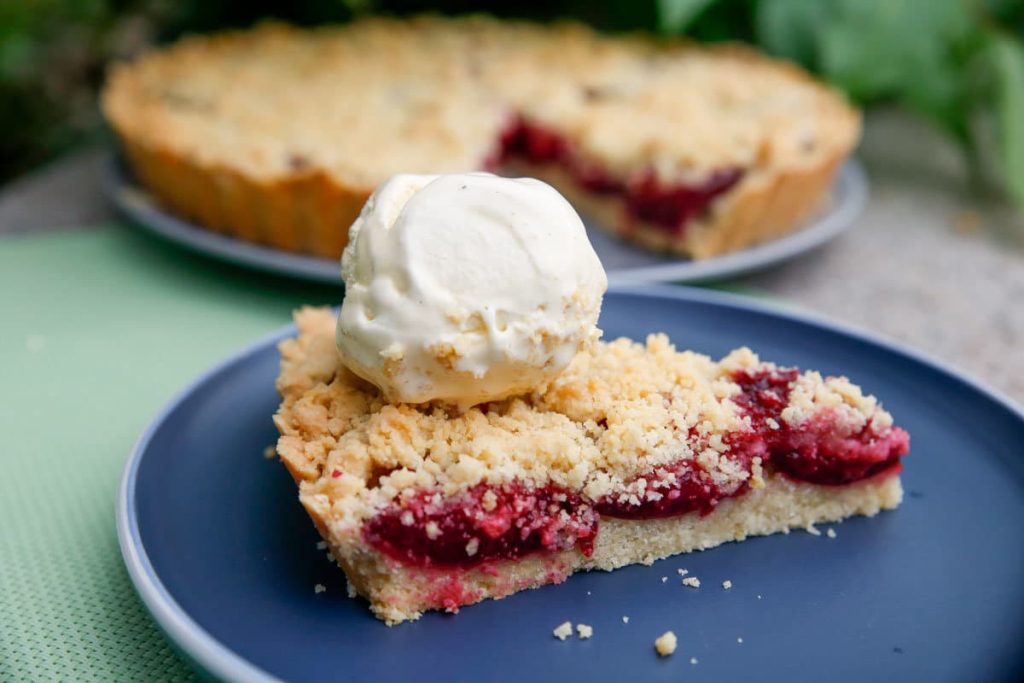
<point x="634" y="452"/>
<point x="278" y="136"/>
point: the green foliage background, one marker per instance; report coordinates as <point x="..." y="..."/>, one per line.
<point x="958" y="63"/>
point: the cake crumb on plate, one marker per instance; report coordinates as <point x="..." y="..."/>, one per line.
<point x="666" y="643"/>
<point x="812" y="530"/>
<point x="691" y="581"/>
<point x="584" y="631"/>
<point x="319" y="588"/>
<point x="831" y="533"/>
<point x="563" y="630"/>
<point x="693" y="660"/>
<point x="727" y="584"/>
<point x="625" y="619"/>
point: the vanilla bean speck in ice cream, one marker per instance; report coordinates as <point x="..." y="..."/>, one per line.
<point x="466" y="288"/>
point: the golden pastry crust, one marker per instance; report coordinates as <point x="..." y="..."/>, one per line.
<point x="199" y="125"/>
<point x="618" y="411"/>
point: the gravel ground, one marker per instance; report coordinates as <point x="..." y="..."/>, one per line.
<point x="926" y="264"/>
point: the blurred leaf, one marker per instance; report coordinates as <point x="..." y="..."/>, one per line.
<point x="725" y="20"/>
<point x="675" y="15"/>
<point x="911" y="51"/>
<point x="1008" y="65"/>
<point x="879" y="47"/>
<point x="17" y="54"/>
<point x="624" y="15"/>
<point x="790" y="28"/>
<point x="1008" y="12"/>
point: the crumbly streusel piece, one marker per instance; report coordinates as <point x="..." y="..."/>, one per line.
<point x="666" y="644"/>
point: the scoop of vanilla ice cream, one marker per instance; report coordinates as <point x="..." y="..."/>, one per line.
<point x="466" y="288"/>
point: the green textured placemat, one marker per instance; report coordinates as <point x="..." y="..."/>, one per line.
<point x="98" y="328"/>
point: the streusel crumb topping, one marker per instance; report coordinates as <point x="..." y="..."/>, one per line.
<point x="618" y="411"/>
<point x="447" y="88"/>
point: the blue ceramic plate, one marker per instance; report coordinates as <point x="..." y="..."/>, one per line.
<point x="624" y="262"/>
<point x="225" y="558"/>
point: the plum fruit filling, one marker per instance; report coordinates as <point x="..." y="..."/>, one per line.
<point x="683" y="486"/>
<point x="667" y="206"/>
<point x="487" y="523"/>
<point x="481" y="524"/>
<point x="813" y="451"/>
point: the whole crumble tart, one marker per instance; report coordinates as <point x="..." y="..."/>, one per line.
<point x="696" y="150"/>
<point x="634" y="453"/>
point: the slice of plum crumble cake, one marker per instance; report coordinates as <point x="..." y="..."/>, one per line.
<point x="633" y="453"/>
